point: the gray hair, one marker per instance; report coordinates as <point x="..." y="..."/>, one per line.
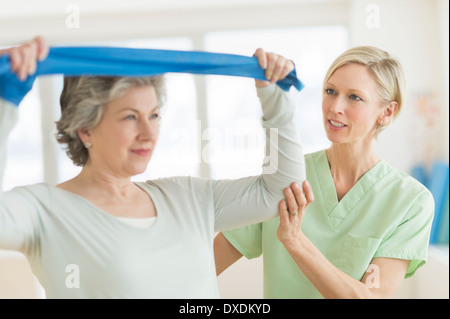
<point x="82" y="103"/>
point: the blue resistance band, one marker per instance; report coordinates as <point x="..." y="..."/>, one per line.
<point x="115" y="61"/>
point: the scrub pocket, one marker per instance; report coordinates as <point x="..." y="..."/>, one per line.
<point x="355" y="255"/>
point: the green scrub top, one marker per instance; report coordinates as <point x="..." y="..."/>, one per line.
<point x="385" y="214"/>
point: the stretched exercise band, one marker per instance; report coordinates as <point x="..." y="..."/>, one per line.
<point x="115" y="61"/>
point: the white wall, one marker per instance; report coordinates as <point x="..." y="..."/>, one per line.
<point x="413" y="31"/>
<point x="443" y="20"/>
<point x="158" y="18"/>
<point x="16" y="278"/>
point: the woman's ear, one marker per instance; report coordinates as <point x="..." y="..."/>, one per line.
<point x="388" y="113"/>
<point x="84" y="136"/>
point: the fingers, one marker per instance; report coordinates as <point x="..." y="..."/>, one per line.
<point x="43" y="48"/>
<point x="298" y="198"/>
<point x="16" y="59"/>
<point x="276" y="67"/>
<point x="284" y="214"/>
<point x="292" y="210"/>
<point x="308" y="192"/>
<point x="291" y="199"/>
<point x="262" y="58"/>
<point x="24" y="58"/>
<point x="31" y="58"/>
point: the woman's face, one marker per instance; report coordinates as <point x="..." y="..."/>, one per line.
<point x="124" y="139"/>
<point x="351" y="105"/>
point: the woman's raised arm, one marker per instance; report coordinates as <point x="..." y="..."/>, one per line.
<point x="15" y="224"/>
<point x="254" y="199"/>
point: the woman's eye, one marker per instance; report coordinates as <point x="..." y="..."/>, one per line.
<point x="155" y="116"/>
<point x="330" y="91"/>
<point x="355" y="97"/>
<point x="130" y="117"/>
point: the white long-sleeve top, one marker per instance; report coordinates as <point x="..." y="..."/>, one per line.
<point x="77" y="250"/>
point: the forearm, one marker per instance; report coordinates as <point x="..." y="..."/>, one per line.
<point x="8" y="119"/>
<point x="255" y="199"/>
<point x="330" y="281"/>
<point x="284" y="161"/>
<point x="225" y="254"/>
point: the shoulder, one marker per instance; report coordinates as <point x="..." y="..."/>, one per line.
<point x="402" y="180"/>
<point x="315" y="159"/>
<point x="40" y="191"/>
<point x="186" y="182"/>
<point x="314" y="156"/>
<point x="29" y="198"/>
<point x="180" y="186"/>
<point x="407" y="189"/>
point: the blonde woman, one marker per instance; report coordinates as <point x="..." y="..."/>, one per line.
<point x="359" y="226"/>
<point x="100" y="235"/>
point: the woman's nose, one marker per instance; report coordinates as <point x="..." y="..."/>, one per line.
<point x="149" y="130"/>
<point x="337" y="106"/>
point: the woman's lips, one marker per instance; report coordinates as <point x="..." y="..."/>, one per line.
<point x="141" y="151"/>
<point x="336" y="125"/>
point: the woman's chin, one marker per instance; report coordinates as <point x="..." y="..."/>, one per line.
<point x="136" y="170"/>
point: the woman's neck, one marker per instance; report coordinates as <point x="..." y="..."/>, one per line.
<point x="115" y="195"/>
<point x="99" y="182"/>
<point x="348" y="163"/>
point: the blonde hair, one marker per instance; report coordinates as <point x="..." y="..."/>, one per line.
<point x="386" y="70"/>
<point x="82" y="104"/>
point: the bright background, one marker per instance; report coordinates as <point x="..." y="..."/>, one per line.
<point x="209" y="114"/>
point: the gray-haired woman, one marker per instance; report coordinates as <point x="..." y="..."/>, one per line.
<point x="100" y="235"/>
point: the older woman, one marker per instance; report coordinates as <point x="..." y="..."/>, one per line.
<point x="101" y="235"/>
<point x="369" y="224"/>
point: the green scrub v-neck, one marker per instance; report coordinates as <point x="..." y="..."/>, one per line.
<point x="336" y="210"/>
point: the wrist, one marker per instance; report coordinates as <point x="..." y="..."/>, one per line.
<point x="296" y="243"/>
<point x="12" y="89"/>
<point x="261" y="83"/>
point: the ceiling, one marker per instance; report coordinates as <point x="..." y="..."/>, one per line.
<point x="26" y="8"/>
<point x="101" y="20"/>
